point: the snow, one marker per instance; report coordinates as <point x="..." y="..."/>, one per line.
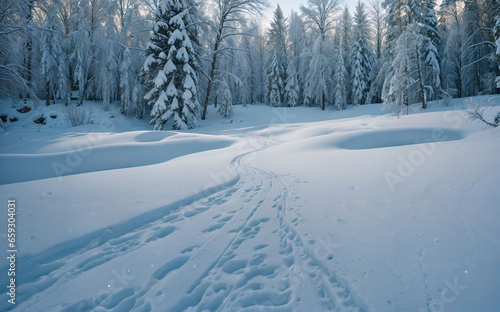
<point x="290" y="209"/>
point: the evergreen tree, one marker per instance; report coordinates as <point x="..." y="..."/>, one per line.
<point x="275" y="82"/>
<point x="225" y="99"/>
<point x="292" y="87"/>
<point x="126" y="92"/>
<point x="298" y="40"/>
<point x="170" y="67"/>
<point x="346" y="37"/>
<point x="51" y="53"/>
<point x="339" y="78"/>
<point x="430" y="54"/>
<point x="319" y="16"/>
<point x="406" y="82"/>
<point x="278" y="42"/>
<point x="361" y="56"/>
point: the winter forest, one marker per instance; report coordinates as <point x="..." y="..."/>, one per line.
<point x="171" y="59"/>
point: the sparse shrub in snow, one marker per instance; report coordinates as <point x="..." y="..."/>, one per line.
<point x="78" y="115"/>
<point x="476" y="111"/>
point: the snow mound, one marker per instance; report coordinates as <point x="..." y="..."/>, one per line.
<point x="399" y="137"/>
<point x="92" y="158"/>
<point x="153" y="136"/>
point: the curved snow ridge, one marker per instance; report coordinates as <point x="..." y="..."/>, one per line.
<point x="28" y="167"/>
<point x="398" y="137"/>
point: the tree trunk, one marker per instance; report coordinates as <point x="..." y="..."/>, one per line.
<point x="212" y="74"/>
<point x="47" y="91"/>
<point x="421" y="82"/>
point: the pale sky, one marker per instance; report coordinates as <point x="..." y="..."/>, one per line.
<point x="287" y="5"/>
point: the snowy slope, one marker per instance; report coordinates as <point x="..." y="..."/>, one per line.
<point x="290" y="209"/>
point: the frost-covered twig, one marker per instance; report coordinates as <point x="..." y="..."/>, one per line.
<point x="476" y="111"/>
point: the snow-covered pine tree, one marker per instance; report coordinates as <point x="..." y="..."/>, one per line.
<point x="275" y="82"/>
<point x="170" y="67"/>
<point x="361" y="56"/>
<point x="278" y="43"/>
<point x="292" y="87"/>
<point x="225" y="99"/>
<point x="339" y="77"/>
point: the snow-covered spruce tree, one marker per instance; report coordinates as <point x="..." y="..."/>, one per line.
<point x="278" y="42"/>
<point x="292" y="87"/>
<point x="275" y="82"/>
<point x="361" y="56"/>
<point x="346" y="37"/>
<point x="170" y="67"/>
<point x="51" y="53"/>
<point x="319" y="19"/>
<point x="430" y="54"/>
<point x="406" y="81"/>
<point x="339" y="78"/>
<point x="225" y="99"/>
<point x="297" y="41"/>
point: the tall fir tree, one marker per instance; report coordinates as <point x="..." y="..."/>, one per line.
<point x="361" y="57"/>
<point x="339" y="77"/>
<point x="292" y="87"/>
<point x="278" y="44"/>
<point x="275" y="83"/>
<point x="170" y="67"/>
<point x="430" y="53"/>
<point x="51" y="53"/>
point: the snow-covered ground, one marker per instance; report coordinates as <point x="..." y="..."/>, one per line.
<point x="275" y="209"/>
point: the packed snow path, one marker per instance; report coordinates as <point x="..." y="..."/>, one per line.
<point x="250" y="258"/>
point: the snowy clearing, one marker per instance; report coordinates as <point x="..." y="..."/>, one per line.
<point x="289" y="209"/>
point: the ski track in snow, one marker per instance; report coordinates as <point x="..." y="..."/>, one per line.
<point x="252" y="257"/>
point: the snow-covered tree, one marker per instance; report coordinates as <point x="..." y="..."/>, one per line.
<point x="319" y="19"/>
<point x="292" y="87"/>
<point x="377" y="19"/>
<point x="125" y="82"/>
<point x="430" y="54"/>
<point x="170" y="67"/>
<point x="225" y="99"/>
<point x="82" y="54"/>
<point x="297" y="41"/>
<point x="346" y="43"/>
<point x="452" y="63"/>
<point x="497" y="41"/>
<point x="406" y="82"/>
<point x="276" y="85"/>
<point x="226" y="19"/>
<point x="361" y="57"/>
<point x="278" y="43"/>
<point x="51" y="53"/>
<point x="339" y="78"/>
